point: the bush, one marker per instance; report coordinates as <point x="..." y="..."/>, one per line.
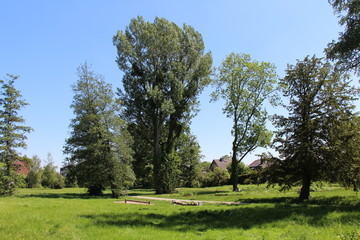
<point x="216" y="177"/>
<point x="9" y="184"/>
<point x="59" y="181"/>
<point x="51" y="178"/>
<point x="33" y="179"/>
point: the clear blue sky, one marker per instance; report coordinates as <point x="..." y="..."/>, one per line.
<point x="45" y="41"/>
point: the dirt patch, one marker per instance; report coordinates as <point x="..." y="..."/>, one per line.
<point x="134" y="202"/>
<point x="184" y="200"/>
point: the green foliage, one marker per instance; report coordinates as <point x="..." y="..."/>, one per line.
<point x="217" y="177"/>
<point x="165" y="68"/>
<point x="34" y="178"/>
<point x="186" y="156"/>
<point x="320" y="100"/>
<point x="12" y="134"/>
<point x="347" y="49"/>
<point x="6" y="181"/>
<point x="51" y="178"/>
<point x="70" y="177"/>
<point x="345" y="141"/>
<point x="188" y="150"/>
<point x="242" y="168"/>
<point x="142" y="164"/>
<point x="99" y="145"/>
<point x="245" y="84"/>
<point x="204" y="166"/>
<point x="48" y="173"/>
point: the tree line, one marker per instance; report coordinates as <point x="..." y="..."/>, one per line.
<point x="141" y="133"/>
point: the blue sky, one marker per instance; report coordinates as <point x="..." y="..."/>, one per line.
<point x="45" y="41"/>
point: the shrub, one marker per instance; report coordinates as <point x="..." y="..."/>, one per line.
<point x="216" y="177"/>
<point x="33" y="179"/>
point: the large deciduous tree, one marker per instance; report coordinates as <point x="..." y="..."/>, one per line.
<point x="99" y="145"/>
<point x="320" y="101"/>
<point x="12" y="133"/>
<point x="165" y="68"/>
<point x="245" y="84"/>
<point x="347" y="49"/>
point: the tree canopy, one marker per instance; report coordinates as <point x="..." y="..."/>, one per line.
<point x="320" y="100"/>
<point x="245" y="84"/>
<point x="347" y="49"/>
<point x="165" y="68"/>
<point x="12" y="133"/>
<point x="99" y="145"/>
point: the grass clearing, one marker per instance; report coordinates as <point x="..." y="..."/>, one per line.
<point x="333" y="213"/>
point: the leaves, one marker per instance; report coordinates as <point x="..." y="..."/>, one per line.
<point x="99" y="145"/>
<point x="319" y="98"/>
<point x="347" y="49"/>
<point x="165" y="69"/>
<point x="245" y="84"/>
<point x="12" y="132"/>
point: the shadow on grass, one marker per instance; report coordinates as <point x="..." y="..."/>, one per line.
<point x="286" y="200"/>
<point x="237" y="217"/>
<point x="213" y="192"/>
<point x="65" y="196"/>
<point x="136" y="192"/>
<point x="322" y="201"/>
<point x="142" y="194"/>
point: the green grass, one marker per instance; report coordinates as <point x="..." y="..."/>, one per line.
<point x="333" y="213"/>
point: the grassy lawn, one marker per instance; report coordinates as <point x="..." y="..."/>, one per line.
<point x="333" y="213"/>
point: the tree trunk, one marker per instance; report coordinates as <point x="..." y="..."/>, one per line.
<point x="305" y="189"/>
<point x="164" y="166"/>
<point x="355" y="187"/>
<point x="234" y="168"/>
<point x="157" y="161"/>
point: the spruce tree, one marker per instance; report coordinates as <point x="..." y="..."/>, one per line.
<point x="99" y="144"/>
<point x="320" y="101"/>
<point x="12" y="133"/>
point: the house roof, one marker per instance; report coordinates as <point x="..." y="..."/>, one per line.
<point x="222" y="162"/>
<point x="259" y="164"/>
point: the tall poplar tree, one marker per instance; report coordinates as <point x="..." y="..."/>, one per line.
<point x="245" y="84"/>
<point x="12" y="133"/>
<point x="165" y="68"/>
<point x="99" y="144"/>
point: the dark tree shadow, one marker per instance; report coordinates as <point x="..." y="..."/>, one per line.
<point x="234" y="217"/>
<point x="65" y="196"/>
<point x="215" y="192"/>
<point x="322" y="201"/>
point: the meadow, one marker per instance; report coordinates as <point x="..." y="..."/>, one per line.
<point x="333" y="213"/>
